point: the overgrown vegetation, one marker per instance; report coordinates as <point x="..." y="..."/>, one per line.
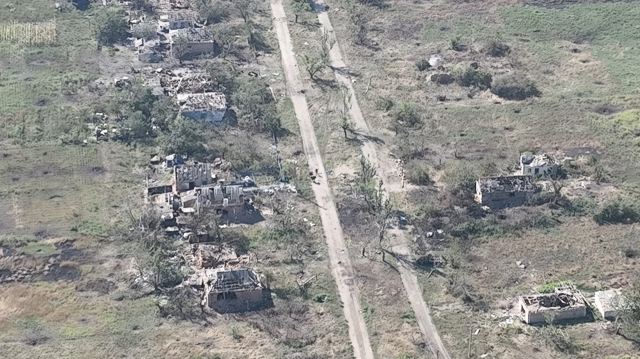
<point x="514" y="87"/>
<point x="110" y="26"/>
<point x="617" y="211"/>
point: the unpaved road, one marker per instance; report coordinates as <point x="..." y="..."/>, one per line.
<point x="338" y="254"/>
<point x="385" y="169"/>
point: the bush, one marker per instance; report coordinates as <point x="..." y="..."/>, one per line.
<point x="418" y="173"/>
<point x="384" y="104"/>
<point x="616" y="212"/>
<point x="460" y="174"/>
<point x="514" y="87"/>
<point x="496" y="49"/>
<point x="407" y="115"/>
<point x="422" y="64"/>
<point x="473" y="77"/>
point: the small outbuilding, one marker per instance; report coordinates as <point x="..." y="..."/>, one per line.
<point x="539" y="165"/>
<point x="607" y="302"/>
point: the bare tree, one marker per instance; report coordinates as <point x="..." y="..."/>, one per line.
<point x="246" y="8"/>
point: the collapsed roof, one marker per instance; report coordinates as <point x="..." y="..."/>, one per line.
<point x="506" y="184"/>
<point x="192" y="34"/>
<point x="542" y="160"/>
<point x="208" y="101"/>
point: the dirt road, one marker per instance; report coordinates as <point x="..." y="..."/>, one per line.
<point x="385" y="169"/>
<point x="338" y="254"/>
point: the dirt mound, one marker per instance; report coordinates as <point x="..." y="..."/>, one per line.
<point x="100" y="285"/>
<point x="42" y="102"/>
<point x="442" y="79"/>
<point x="606" y="109"/>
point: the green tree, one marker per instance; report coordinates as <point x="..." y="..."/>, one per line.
<point x="135" y="126"/>
<point x="313" y="65"/>
<point x="212" y="11"/>
<point x="179" y="47"/>
<point x="407" y="115"/>
<point x="300" y="7"/>
<point x="222" y="76"/>
<point x="256" y="106"/>
<point x="110" y="25"/>
<point x="182" y="137"/>
<point x="628" y="315"/>
<point x="346" y="125"/>
<point x="225" y="36"/>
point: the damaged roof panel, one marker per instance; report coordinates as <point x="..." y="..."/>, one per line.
<point x="208" y="101"/>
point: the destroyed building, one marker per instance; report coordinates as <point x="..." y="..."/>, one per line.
<point x="178" y="20"/>
<point x="232" y="291"/>
<point x="191" y="42"/>
<point x="538" y="165"/>
<point x="220" y="197"/>
<point x="210" y="106"/>
<point x="563" y="304"/>
<point x="505" y="191"/>
<point x="607" y="302"/>
<point x="188" y="177"/>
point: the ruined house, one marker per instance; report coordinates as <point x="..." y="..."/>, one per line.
<point x="179" y="20"/>
<point x="209" y="106"/>
<point x="188" y="177"/>
<point x="538" y="165"/>
<point x="190" y="42"/>
<point x="236" y="291"/>
<point x="221" y="197"/>
<point x="174" y="159"/>
<point x="563" y="304"/>
<point x="505" y="191"/>
<point x="607" y="303"/>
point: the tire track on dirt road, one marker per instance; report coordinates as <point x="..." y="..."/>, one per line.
<point x="401" y="248"/>
<point x="338" y="254"/>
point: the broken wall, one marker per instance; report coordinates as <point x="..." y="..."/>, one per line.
<point x="240" y="301"/>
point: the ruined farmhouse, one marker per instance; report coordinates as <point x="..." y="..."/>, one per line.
<point x="505" y="191"/>
<point x="563" y="304"/>
<point x="209" y="107"/>
<point x="191" y="42"/>
<point x="232" y="291"/>
<point x="188" y="177"/>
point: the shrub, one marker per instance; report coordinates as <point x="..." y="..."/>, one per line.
<point x="384" y="104"/>
<point x="460" y="174"/>
<point x="616" y="212"/>
<point x="473" y="77"/>
<point x="497" y="49"/>
<point x="422" y="64"/>
<point x="407" y="115"/>
<point x="418" y="173"/>
<point x="514" y="87"/>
